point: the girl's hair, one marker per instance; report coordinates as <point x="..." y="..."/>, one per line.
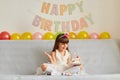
<point x="61" y="38"/>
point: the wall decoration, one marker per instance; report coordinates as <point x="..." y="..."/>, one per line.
<point x="37" y="36"/>
<point x="62" y="17"/>
<point x="26" y="36"/>
<point x="48" y="36"/>
<point x="105" y="35"/>
<point x="5" y="35"/>
<point x="15" y="36"/>
<point x="83" y="35"/>
<point x="94" y="35"/>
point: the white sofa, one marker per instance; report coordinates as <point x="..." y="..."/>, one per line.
<point x="20" y="59"/>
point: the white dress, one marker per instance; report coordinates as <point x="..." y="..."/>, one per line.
<point x="61" y="64"/>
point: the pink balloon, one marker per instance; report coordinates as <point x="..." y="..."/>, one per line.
<point x="94" y="36"/>
<point x="37" y="36"/>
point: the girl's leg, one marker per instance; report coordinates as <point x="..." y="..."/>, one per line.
<point x="48" y="69"/>
<point x="40" y="70"/>
<point x="43" y="67"/>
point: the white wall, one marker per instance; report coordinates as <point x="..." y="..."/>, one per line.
<point x="17" y="15"/>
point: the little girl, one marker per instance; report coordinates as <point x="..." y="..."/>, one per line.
<point x="60" y="57"/>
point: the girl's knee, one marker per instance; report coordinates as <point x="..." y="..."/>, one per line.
<point x="43" y="67"/>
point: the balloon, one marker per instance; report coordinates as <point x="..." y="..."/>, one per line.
<point x="57" y="33"/>
<point x="0" y="36"/>
<point x="105" y="35"/>
<point x="15" y="36"/>
<point x="37" y="36"/>
<point x="94" y="36"/>
<point x="83" y="35"/>
<point x="26" y="36"/>
<point x="72" y="35"/>
<point x="5" y="35"/>
<point x="48" y="36"/>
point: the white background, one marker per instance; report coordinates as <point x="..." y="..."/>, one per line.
<point x="18" y="15"/>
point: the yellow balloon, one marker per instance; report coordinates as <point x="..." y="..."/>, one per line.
<point x="83" y="35"/>
<point x="15" y="36"/>
<point x="72" y="35"/>
<point x="26" y="36"/>
<point x="48" y="36"/>
<point x="105" y="35"/>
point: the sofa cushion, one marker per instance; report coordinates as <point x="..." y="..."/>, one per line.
<point x="24" y="57"/>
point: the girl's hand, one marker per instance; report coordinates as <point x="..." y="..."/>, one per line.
<point x="81" y="67"/>
<point x="49" y="56"/>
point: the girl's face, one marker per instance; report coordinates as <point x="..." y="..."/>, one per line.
<point x="62" y="46"/>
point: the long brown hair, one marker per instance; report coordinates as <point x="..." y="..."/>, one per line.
<point x="61" y="38"/>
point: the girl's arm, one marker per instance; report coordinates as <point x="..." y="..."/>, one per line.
<point x="53" y="54"/>
<point x="49" y="56"/>
<point x="69" y="60"/>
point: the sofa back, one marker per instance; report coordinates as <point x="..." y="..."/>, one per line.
<point x="23" y="57"/>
